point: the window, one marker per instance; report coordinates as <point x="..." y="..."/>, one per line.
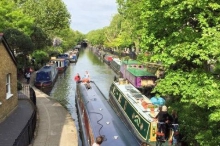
<point x="8" y="86"/>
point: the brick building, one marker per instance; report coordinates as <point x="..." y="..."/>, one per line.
<point x="8" y="80"/>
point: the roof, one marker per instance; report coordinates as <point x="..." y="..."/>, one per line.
<point x="139" y="72"/>
<point x="129" y="62"/>
<point x="46" y="68"/>
<point x="3" y="40"/>
<point x="103" y="119"/>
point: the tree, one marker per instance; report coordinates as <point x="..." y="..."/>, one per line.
<point x="184" y="37"/>
<point x="40" y="39"/>
<point x="18" y="41"/>
<point x="13" y="16"/>
<point x="50" y="15"/>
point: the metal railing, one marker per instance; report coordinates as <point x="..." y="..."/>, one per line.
<point x="27" y="134"/>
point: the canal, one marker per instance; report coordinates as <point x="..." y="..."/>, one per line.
<point x="65" y="86"/>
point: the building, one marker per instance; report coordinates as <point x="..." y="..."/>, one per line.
<point x="8" y="80"/>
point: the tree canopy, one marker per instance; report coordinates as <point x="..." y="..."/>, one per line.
<point x="183" y="36"/>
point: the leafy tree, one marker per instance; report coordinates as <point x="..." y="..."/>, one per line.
<point x="184" y="37"/>
<point x="40" y="56"/>
<point x="12" y="16"/>
<point x="50" y="15"/>
<point x="69" y="38"/>
<point x="18" y="41"/>
<point x="96" y="37"/>
<point x="40" y="39"/>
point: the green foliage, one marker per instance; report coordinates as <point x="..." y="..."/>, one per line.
<point x="40" y="39"/>
<point x="40" y="56"/>
<point x="184" y="37"/>
<point x="50" y="15"/>
<point x="18" y="41"/>
<point x="12" y="16"/>
<point x="69" y="38"/>
<point x="96" y="37"/>
<point x="19" y="86"/>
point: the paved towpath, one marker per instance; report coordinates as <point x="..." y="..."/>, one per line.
<point x="55" y="126"/>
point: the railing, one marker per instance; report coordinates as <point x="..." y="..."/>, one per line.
<point x="27" y="134"/>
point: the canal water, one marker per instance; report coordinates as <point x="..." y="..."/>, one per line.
<point x="65" y="86"/>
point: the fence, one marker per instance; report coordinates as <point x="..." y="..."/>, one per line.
<point x="27" y="134"/>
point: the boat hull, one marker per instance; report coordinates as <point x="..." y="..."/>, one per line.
<point x="115" y="64"/>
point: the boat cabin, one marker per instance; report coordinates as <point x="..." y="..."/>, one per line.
<point x="140" y="77"/>
<point x="137" y="74"/>
<point x="135" y="109"/>
<point x="115" y="64"/>
<point x="125" y="64"/>
<point x="46" y="76"/>
<point x="61" y="63"/>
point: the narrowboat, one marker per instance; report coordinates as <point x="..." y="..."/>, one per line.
<point x="61" y="63"/>
<point x="137" y="74"/>
<point x="115" y="64"/>
<point x="140" y="77"/>
<point x="73" y="57"/>
<point x="135" y="110"/>
<point x="97" y="118"/>
<point x="46" y="76"/>
<point x="66" y="57"/>
<point x="126" y="64"/>
<point x="107" y="58"/>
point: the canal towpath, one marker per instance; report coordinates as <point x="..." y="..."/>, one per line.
<point x="55" y="126"/>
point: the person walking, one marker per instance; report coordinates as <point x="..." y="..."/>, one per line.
<point x="28" y="76"/>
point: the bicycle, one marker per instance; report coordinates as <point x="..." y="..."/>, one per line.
<point x="175" y="136"/>
<point x="160" y="135"/>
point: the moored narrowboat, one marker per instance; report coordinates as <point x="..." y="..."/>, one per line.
<point x="46" y="76"/>
<point x="134" y="109"/>
<point x="66" y="57"/>
<point x="108" y="58"/>
<point x="61" y="63"/>
<point x="137" y="74"/>
<point x="97" y="118"/>
<point x="140" y="77"/>
<point x="125" y="64"/>
<point x="73" y="56"/>
<point x="115" y="64"/>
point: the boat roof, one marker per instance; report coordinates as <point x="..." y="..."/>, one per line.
<point x="57" y="59"/>
<point x="138" y="72"/>
<point x="117" y="60"/>
<point x="136" y="97"/>
<point x="104" y="120"/>
<point x="129" y="62"/>
<point x="47" y="68"/>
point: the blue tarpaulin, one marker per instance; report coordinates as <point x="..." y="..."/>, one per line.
<point x="157" y="101"/>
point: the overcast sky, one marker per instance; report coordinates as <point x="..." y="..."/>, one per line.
<point x="87" y="15"/>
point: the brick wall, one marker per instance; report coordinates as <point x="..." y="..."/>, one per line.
<point x="7" y="66"/>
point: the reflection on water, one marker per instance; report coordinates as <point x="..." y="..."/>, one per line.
<point x="64" y="88"/>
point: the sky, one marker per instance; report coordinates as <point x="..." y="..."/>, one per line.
<point x="87" y="15"/>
